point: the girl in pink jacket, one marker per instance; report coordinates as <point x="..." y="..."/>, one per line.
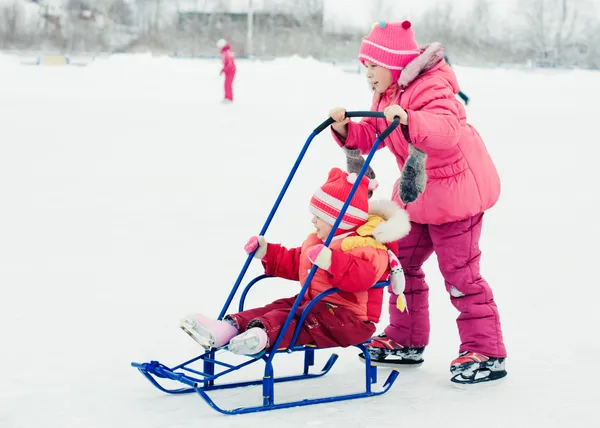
<point x="448" y="180"/>
<point x="228" y="68"/>
<point x="355" y="260"/>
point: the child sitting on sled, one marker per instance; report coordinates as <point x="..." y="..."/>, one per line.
<point x="355" y="260"/>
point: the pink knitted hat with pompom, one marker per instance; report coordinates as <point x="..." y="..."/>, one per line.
<point x="391" y="45"/>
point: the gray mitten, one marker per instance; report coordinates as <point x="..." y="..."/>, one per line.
<point x="355" y="162"/>
<point x="413" y="178"/>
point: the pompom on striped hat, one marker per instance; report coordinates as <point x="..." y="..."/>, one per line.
<point x="327" y="201"/>
<point x="391" y="45"/>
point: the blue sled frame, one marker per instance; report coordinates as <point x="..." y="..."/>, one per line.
<point x="201" y="382"/>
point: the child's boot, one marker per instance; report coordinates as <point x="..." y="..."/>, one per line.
<point x="209" y="333"/>
<point x="472" y="367"/>
<point x="250" y="342"/>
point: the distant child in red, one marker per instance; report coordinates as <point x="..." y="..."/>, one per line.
<point x="228" y="68"/>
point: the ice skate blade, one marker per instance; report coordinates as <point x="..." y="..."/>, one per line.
<point x="202" y="341"/>
<point x="469" y="382"/>
<point x="393" y="364"/>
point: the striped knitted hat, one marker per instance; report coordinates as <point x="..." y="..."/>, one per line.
<point x="328" y="200"/>
<point x="391" y="45"/>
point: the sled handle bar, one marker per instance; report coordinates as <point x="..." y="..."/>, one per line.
<point x="288" y="181"/>
<point x="335" y="226"/>
<point x="330" y="121"/>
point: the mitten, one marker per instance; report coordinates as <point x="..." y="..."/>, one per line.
<point x="258" y="244"/>
<point x="354" y="163"/>
<point x="320" y="255"/>
<point x="413" y="178"/>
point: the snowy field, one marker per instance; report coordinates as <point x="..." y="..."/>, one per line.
<point x="127" y="192"/>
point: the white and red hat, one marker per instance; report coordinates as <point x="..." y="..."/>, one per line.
<point x="328" y="200"/>
<point x="223" y="44"/>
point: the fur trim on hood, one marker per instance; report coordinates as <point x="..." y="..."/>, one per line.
<point x="431" y="55"/>
<point x="397" y="222"/>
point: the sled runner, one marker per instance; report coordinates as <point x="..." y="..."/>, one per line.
<point x="205" y="372"/>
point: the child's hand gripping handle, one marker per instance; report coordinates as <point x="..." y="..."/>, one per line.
<point x="390" y="128"/>
<point x="349" y="114"/>
<point x="320" y="255"/>
<point x="258" y="244"/>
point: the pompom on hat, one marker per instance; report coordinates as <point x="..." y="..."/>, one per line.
<point x="391" y="45"/>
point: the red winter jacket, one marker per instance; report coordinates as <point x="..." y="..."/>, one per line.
<point x="353" y="272"/>
<point x="358" y="262"/>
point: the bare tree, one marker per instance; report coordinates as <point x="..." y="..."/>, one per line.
<point x="475" y="36"/>
<point x="437" y="24"/>
<point x="554" y="29"/>
<point x="11" y="18"/>
<point x="53" y="22"/>
<point x="592" y="48"/>
<point x="119" y="12"/>
<point x="480" y="18"/>
<point x="390" y="10"/>
<point x="380" y="10"/>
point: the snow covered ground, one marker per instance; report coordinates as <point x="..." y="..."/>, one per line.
<point x="127" y="192"/>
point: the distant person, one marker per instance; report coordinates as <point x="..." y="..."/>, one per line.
<point x="448" y="180"/>
<point x="228" y="68"/>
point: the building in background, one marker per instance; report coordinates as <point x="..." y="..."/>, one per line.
<point x="281" y="13"/>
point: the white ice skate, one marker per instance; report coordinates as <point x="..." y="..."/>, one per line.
<point x="250" y="342"/>
<point x="209" y="333"/>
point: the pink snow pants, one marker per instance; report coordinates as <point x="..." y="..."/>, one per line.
<point x="229" y="85"/>
<point x="456" y="245"/>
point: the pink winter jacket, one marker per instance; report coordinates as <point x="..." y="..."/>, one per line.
<point x="228" y="59"/>
<point x="461" y="178"/>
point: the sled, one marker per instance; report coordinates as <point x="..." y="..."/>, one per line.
<point x="212" y="372"/>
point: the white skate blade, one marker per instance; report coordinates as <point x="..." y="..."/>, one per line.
<point x="200" y="340"/>
<point x="199" y="333"/>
